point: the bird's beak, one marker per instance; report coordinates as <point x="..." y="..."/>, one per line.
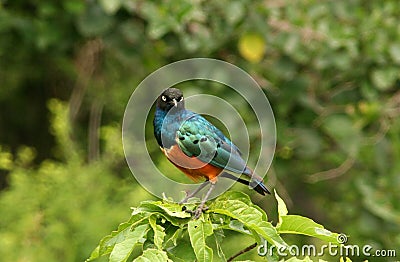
<point x="175" y="103"/>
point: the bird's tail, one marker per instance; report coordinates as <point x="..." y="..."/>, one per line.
<point x="256" y="183"/>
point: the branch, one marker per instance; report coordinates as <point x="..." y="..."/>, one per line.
<point x="94" y="130"/>
<point x="332" y="173"/>
<point x="247" y="249"/>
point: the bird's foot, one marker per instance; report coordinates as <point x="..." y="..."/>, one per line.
<point x="202" y="207"/>
<point x="198" y="211"/>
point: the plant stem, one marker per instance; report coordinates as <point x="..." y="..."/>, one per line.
<point x="247" y="249"/>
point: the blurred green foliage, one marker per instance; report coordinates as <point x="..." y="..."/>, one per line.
<point x="331" y="70"/>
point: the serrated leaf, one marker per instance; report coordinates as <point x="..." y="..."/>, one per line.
<point x="153" y="255"/>
<point x="294" y="224"/>
<point x="251" y="217"/>
<point x="124" y="248"/>
<point x="282" y="209"/>
<point x="158" y="230"/>
<point x="199" y="230"/>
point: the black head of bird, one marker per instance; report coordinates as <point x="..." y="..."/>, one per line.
<point x="170" y="98"/>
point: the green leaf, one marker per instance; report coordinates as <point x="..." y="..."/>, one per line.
<point x="237" y="195"/>
<point x="123" y="249"/>
<point x="251" y="217"/>
<point x="182" y="252"/>
<point x="219" y="236"/>
<point x="282" y="209"/>
<point x="237" y="226"/>
<point x="345" y="259"/>
<point x="199" y="230"/>
<point x="158" y="230"/>
<point x="294" y="224"/>
<point x="95" y="254"/>
<point x="170" y="209"/>
<point x="172" y="235"/>
<point x="153" y="255"/>
<point x="107" y="244"/>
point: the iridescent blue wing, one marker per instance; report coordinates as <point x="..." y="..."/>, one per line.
<point x="199" y="138"/>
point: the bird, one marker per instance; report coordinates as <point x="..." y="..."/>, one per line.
<point x="198" y="148"/>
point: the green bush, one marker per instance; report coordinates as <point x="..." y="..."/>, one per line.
<point x="167" y="231"/>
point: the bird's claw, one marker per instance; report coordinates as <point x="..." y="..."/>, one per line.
<point x="198" y="211"/>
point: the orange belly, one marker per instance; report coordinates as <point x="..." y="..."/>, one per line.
<point x="191" y="166"/>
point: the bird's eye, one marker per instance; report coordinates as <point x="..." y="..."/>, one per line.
<point x="181" y="99"/>
<point x="163" y="98"/>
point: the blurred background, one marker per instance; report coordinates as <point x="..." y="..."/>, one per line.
<point x="331" y="70"/>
